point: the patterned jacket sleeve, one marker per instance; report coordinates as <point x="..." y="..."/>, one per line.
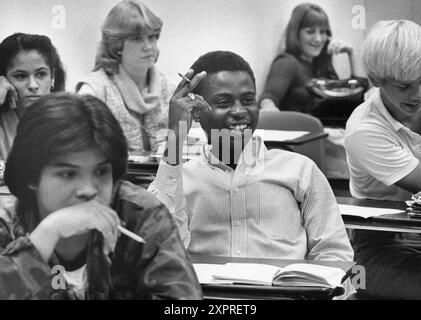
<point x="161" y="266"/>
<point x="23" y="273"/>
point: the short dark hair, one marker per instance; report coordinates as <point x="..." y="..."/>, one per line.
<point x="19" y="42"/>
<point x="216" y="61"/>
<point x="57" y="124"/>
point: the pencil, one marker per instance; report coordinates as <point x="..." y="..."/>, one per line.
<point x="131" y="234"/>
<point x="184" y="77"/>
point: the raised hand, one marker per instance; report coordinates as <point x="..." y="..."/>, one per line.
<point x="183" y="105"/>
<point x="183" y="102"/>
<point x="338" y="46"/>
<point x="5" y="88"/>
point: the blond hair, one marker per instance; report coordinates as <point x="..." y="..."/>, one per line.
<point x="392" y="50"/>
<point x="127" y="19"/>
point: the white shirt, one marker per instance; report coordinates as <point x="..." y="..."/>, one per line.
<point x="77" y="280"/>
<point x="380" y="151"/>
<point x="275" y="204"/>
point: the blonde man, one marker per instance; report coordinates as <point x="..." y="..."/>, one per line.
<point x="383" y="145"/>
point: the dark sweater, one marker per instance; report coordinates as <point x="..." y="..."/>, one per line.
<point x="285" y="84"/>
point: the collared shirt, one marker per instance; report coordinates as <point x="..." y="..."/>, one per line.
<point x="275" y="204"/>
<point x="380" y="151"/>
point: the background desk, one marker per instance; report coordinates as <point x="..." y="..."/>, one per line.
<point x="143" y="172"/>
<point x="289" y="144"/>
<point x="233" y="291"/>
<point x="311" y="136"/>
<point x="399" y="222"/>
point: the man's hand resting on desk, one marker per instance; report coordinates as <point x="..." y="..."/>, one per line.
<point x="184" y="107"/>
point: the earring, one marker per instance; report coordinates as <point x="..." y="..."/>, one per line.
<point x="52" y="83"/>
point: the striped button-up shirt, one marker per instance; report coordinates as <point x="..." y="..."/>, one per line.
<point x="275" y="204"/>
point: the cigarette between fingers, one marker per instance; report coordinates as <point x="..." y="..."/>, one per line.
<point x="130" y="234"/>
<point x="184" y="77"/>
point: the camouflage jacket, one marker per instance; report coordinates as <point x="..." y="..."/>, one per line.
<point x="158" y="269"/>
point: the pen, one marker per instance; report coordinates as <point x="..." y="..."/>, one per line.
<point x="184" y="77"/>
<point x="131" y="234"/>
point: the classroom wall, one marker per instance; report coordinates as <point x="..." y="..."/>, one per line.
<point x="252" y="28"/>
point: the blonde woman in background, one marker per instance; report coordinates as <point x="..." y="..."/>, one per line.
<point x="125" y="76"/>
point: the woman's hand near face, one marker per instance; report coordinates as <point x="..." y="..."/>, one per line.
<point x="181" y="108"/>
<point x="5" y="87"/>
<point x="73" y="221"/>
<point x="338" y="46"/>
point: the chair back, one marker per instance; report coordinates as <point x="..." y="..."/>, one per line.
<point x="297" y="121"/>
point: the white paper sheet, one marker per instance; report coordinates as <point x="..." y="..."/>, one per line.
<point x="205" y="272"/>
<point x="365" y="212"/>
<point x="267" y="135"/>
<point x="279" y="135"/>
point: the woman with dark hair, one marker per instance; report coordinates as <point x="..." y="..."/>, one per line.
<point x="65" y="171"/>
<point x="308" y="54"/>
<point x="30" y="67"/>
<point x="125" y="76"/>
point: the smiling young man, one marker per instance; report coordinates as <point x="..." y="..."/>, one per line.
<point x="383" y="145"/>
<point x="238" y="198"/>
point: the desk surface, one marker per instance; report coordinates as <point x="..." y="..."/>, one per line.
<point x="399" y="222"/>
<point x="311" y="136"/>
<point x="149" y="165"/>
<point x="240" y="291"/>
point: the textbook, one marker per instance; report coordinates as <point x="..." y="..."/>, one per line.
<point x="293" y="275"/>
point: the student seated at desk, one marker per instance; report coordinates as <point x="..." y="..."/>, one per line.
<point x="308" y="53"/>
<point x="238" y="198"/>
<point x="30" y="67"/>
<point x="383" y="139"/>
<point x="126" y="77"/>
<point x="64" y="169"/>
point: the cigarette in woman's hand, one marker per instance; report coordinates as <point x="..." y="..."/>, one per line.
<point x="130" y="234"/>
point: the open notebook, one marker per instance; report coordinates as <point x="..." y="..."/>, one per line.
<point x="296" y="274"/>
